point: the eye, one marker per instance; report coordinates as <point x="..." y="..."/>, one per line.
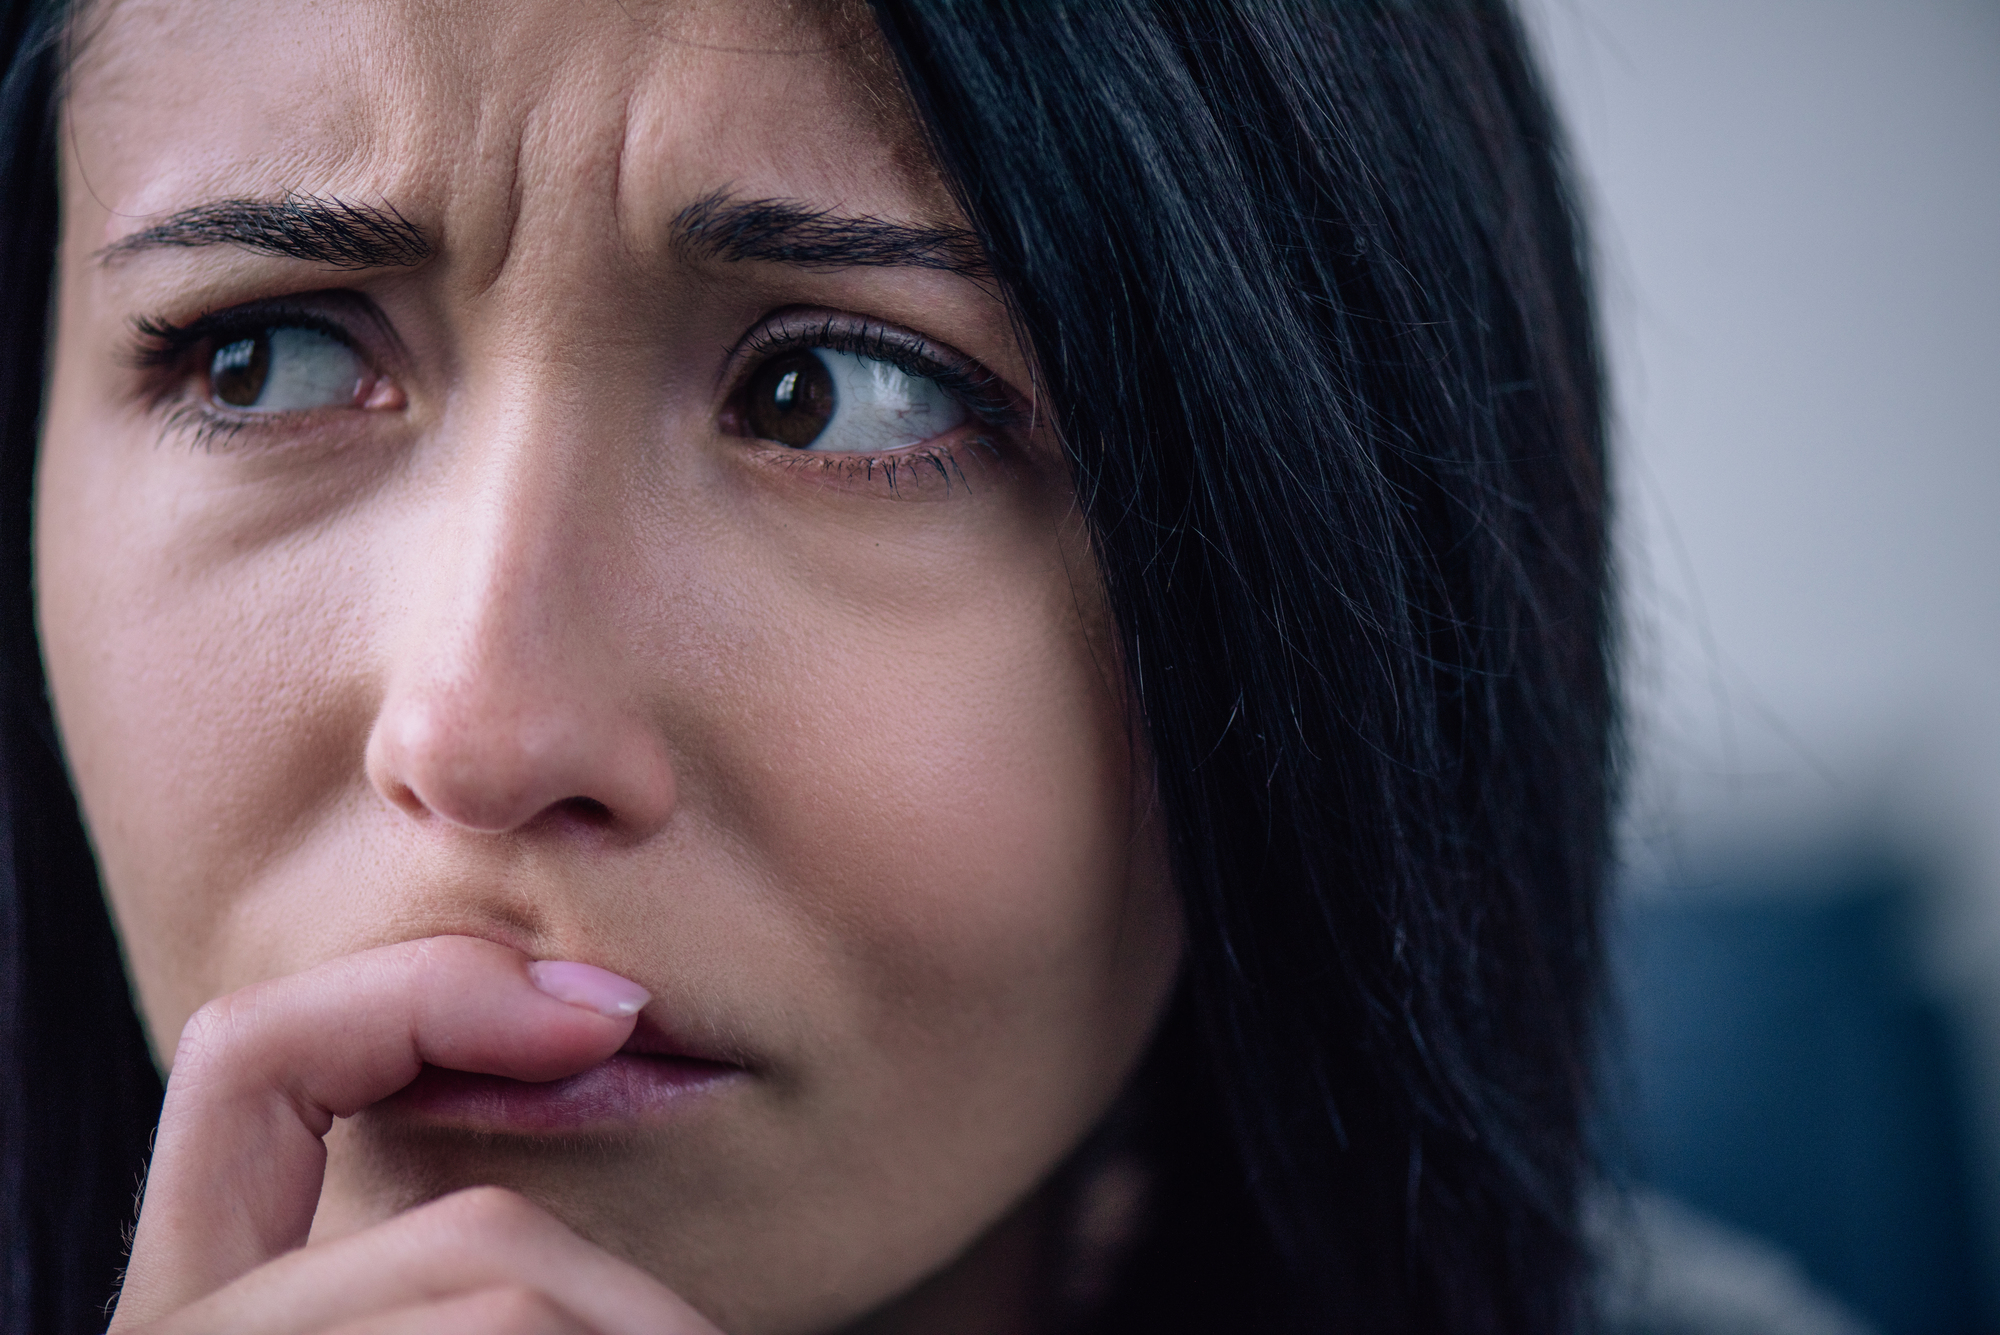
<point x="285" y="368"/>
<point x="839" y="402"/>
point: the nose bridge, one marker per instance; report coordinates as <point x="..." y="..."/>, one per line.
<point x="510" y="545"/>
<point x="507" y="694"/>
<point x="497" y="601"/>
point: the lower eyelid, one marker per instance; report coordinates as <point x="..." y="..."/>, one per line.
<point x="193" y="421"/>
<point x="931" y="471"/>
<point x="197" y="427"/>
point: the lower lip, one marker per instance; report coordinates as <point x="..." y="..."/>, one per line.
<point x="629" y="1090"/>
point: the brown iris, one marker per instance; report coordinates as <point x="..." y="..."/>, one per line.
<point x="790" y="400"/>
<point x="238" y="371"/>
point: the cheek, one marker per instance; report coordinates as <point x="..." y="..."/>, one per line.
<point x="950" y="826"/>
<point x="952" y="814"/>
<point x="946" y="760"/>
<point x="209" y="712"/>
<point x="961" y="819"/>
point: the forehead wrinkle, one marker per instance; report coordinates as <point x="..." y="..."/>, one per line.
<point x="568" y="89"/>
<point x="845" y="56"/>
<point x="561" y="157"/>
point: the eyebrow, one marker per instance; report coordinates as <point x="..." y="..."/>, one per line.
<point x="333" y="232"/>
<point x="782" y="231"/>
<point x="345" y="235"/>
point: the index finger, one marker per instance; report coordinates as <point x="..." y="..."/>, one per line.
<point x="260" y="1075"/>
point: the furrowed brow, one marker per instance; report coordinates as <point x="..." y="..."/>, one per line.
<point x="779" y="231"/>
<point x="332" y="232"/>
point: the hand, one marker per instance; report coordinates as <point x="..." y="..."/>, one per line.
<point x="258" y="1079"/>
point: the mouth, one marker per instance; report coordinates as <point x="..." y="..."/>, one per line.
<point x="653" y="1079"/>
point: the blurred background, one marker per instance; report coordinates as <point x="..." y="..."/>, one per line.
<point x="1797" y="206"/>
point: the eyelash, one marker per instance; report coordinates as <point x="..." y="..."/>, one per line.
<point x="890" y="467"/>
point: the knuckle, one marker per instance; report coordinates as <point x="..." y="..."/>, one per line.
<point x="209" y="1034"/>
<point x="517" y="1310"/>
<point x="490" y="1210"/>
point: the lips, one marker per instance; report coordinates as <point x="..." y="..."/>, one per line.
<point x="650" y="1038"/>
<point x="654" y="1078"/>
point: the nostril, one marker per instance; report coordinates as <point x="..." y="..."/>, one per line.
<point x="404" y="798"/>
<point x="587" y="810"/>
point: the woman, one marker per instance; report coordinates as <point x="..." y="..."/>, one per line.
<point x="929" y="669"/>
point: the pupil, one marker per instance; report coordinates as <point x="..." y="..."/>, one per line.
<point x="237" y="373"/>
<point x="791" y="400"/>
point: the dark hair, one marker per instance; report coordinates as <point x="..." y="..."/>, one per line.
<point x="1307" y="287"/>
<point x="78" y="1094"/>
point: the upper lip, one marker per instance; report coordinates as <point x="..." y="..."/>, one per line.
<point x="650" y="1038"/>
<point x="655" y="1034"/>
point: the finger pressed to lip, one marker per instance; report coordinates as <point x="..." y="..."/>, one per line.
<point x="260" y="1075"/>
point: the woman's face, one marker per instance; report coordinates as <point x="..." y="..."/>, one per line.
<point x="549" y="471"/>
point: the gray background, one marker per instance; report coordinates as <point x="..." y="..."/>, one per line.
<point x="1798" y="212"/>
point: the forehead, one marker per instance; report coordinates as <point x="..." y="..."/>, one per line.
<point x="488" y="111"/>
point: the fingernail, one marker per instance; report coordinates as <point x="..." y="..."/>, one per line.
<point x="590" y="987"/>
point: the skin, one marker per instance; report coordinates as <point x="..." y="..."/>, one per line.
<point x="527" y="654"/>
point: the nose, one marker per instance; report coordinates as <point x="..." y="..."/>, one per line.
<point x="508" y="703"/>
<point x="490" y="753"/>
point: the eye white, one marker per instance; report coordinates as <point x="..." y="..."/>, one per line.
<point x="878" y="407"/>
<point x="303" y="369"/>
